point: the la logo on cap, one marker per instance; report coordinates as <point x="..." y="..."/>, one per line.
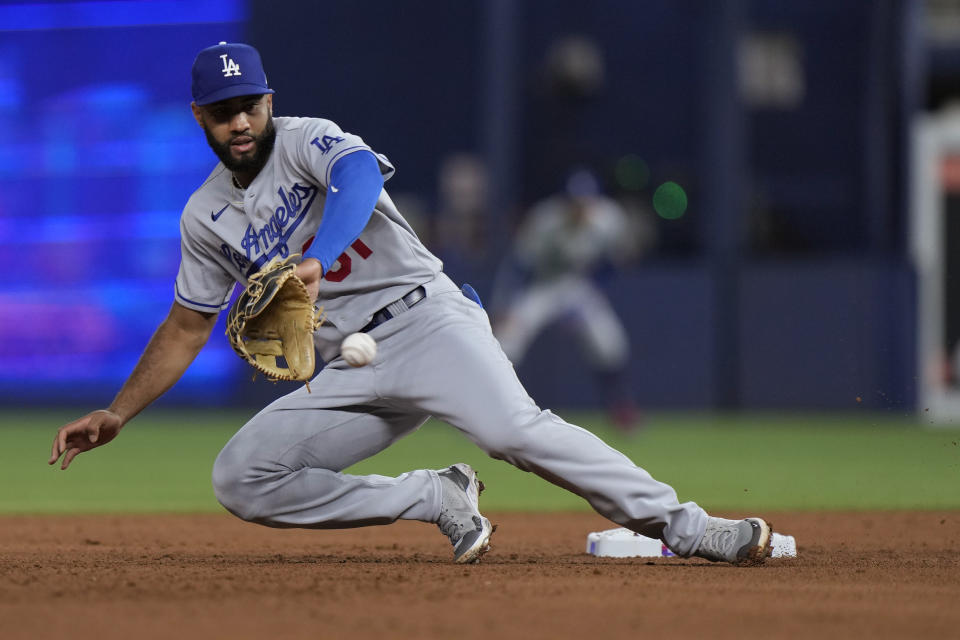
<point x="230" y="68"/>
<point x="226" y="71"/>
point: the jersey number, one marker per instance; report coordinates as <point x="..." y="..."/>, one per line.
<point x="344" y="264"/>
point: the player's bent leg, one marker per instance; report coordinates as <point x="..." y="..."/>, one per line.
<point x="282" y="469"/>
<point x="604" y="338"/>
<point x="526" y="318"/>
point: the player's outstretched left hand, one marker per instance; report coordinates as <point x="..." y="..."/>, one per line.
<point x="310" y="271"/>
<point x="93" y="430"/>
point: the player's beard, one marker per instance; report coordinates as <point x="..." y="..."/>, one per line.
<point x="263" y="146"/>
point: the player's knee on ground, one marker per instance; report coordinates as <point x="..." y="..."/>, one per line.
<point x="234" y="487"/>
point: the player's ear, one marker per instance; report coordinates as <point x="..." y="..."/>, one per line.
<point x="269" y="98"/>
<point x="197" y="115"/>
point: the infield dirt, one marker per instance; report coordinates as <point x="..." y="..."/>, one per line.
<point x="877" y="575"/>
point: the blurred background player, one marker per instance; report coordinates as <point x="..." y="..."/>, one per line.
<point x="459" y="234"/>
<point x="565" y="247"/>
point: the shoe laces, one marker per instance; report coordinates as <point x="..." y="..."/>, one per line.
<point x="454" y="527"/>
<point x="720" y="539"/>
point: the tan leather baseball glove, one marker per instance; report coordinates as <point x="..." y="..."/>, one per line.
<point x="271" y="324"/>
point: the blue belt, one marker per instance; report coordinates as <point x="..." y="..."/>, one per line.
<point x="394" y="309"/>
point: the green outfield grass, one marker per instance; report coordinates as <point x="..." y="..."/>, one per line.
<point x="162" y="461"/>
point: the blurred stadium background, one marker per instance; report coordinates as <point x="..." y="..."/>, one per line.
<point x="768" y="151"/>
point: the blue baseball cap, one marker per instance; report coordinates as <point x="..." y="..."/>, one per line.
<point x="226" y="71"/>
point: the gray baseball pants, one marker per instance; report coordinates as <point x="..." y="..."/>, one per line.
<point x="439" y="358"/>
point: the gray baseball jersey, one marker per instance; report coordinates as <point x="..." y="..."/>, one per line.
<point x="227" y="233"/>
<point x="561" y="249"/>
<point x="284" y="468"/>
<point x="555" y="243"/>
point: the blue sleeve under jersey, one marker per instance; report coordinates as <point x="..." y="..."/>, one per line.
<point x="355" y="184"/>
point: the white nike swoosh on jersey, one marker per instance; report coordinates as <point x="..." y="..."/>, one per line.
<point x="334" y="189"/>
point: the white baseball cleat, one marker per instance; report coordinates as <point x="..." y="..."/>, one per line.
<point x="740" y="542"/>
<point x="460" y="517"/>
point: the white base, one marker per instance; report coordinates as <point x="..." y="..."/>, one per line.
<point x="783" y="546"/>
<point x="623" y="543"/>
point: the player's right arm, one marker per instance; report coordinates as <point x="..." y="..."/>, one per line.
<point x="170" y="351"/>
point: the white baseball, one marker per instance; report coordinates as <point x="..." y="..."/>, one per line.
<point x="358" y="349"/>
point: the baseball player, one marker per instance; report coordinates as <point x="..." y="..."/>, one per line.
<point x="286" y="185"/>
<point x="564" y="241"/>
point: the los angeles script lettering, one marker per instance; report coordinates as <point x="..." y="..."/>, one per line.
<point x="289" y="214"/>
